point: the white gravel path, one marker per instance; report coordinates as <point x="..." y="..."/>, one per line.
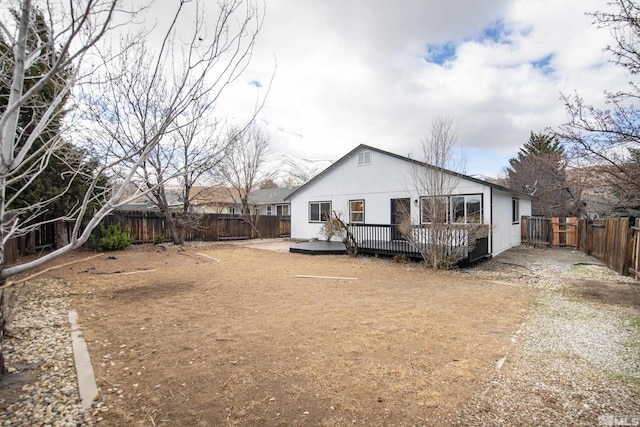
<point x="38" y="346"/>
<point x="574" y="362"/>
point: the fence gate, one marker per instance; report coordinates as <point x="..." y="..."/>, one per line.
<point x="549" y="231"/>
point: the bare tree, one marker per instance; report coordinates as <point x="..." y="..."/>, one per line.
<point x="609" y="137"/>
<point x="243" y="166"/>
<point x="165" y="100"/>
<point x="449" y="225"/>
<point x="214" y="60"/>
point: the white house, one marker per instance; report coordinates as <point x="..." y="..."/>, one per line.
<point x="370" y="186"/>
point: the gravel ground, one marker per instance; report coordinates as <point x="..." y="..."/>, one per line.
<point x="39" y="355"/>
<point x="573" y="362"/>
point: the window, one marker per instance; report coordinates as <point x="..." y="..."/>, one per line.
<point x="319" y="211"/>
<point x="434" y="209"/>
<point x="269" y="210"/>
<point x="515" y="211"/>
<point x="356" y="211"/>
<point x="283" y="210"/>
<point x="364" y="158"/>
<point x="233" y="210"/>
<point x="466" y="209"/>
<point x="456" y="209"/>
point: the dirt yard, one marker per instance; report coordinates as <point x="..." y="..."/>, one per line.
<point x="229" y="335"/>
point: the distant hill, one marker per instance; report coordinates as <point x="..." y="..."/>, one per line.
<point x="291" y="171"/>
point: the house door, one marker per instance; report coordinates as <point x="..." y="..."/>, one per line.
<point x="400" y="210"/>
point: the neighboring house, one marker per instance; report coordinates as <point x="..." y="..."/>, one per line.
<point x="144" y="203"/>
<point x="214" y="199"/>
<point x="271" y="201"/>
<point x="223" y="200"/>
<point x="369" y="187"/>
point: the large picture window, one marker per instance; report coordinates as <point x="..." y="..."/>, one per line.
<point x="356" y="211"/>
<point x="319" y="211"/>
<point x="434" y="209"/>
<point x="464" y="209"/>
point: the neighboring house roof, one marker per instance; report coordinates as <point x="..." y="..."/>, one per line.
<point x="212" y="195"/>
<point x="145" y="202"/>
<point x="407" y="159"/>
<point x="270" y="196"/>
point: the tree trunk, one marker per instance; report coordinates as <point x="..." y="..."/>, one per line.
<point x="62" y="237"/>
<point x="173" y="229"/>
<point x="3" y="370"/>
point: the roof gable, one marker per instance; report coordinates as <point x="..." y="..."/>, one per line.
<point x="360" y="147"/>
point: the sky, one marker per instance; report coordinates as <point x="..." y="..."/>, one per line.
<point x="378" y="72"/>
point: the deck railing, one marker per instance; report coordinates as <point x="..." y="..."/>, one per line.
<point x="386" y="239"/>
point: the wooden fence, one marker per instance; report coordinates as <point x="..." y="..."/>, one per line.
<point x="37" y="240"/>
<point x="146" y="226"/>
<point x="613" y="240"/>
<point x="550" y="231"/>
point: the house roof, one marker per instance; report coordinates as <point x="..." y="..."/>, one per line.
<point x="406" y="159"/>
<point x="213" y="195"/>
<point x="269" y="196"/>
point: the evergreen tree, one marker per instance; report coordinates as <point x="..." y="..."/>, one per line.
<point x="67" y="172"/>
<point x="540" y="170"/>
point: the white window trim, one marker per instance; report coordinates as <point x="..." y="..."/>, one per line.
<point x="515" y="210"/>
<point x="364" y="158"/>
<point x="351" y="221"/>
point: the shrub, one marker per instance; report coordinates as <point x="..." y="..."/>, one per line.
<point x="330" y="228"/>
<point x="158" y="239"/>
<point x="114" y="238"/>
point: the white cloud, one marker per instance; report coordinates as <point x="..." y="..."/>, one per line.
<point x="355" y="72"/>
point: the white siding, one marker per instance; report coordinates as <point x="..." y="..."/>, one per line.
<point x="506" y="233"/>
<point x="385" y="178"/>
<point x="388" y="177"/>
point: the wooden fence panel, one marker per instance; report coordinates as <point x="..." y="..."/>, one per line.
<point x="617" y="237"/>
<point x="536" y="230"/>
<point x="598" y="239"/>
<point x="612" y="241"/>
<point x="273" y="226"/>
<point x="143" y="226"/>
<point x="285" y="227"/>
<point x="634" y="248"/>
<point x="11" y="253"/>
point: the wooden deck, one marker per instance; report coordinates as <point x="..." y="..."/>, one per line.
<point x="384" y="239"/>
<point x="380" y="239"/>
<point x="319" y="248"/>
